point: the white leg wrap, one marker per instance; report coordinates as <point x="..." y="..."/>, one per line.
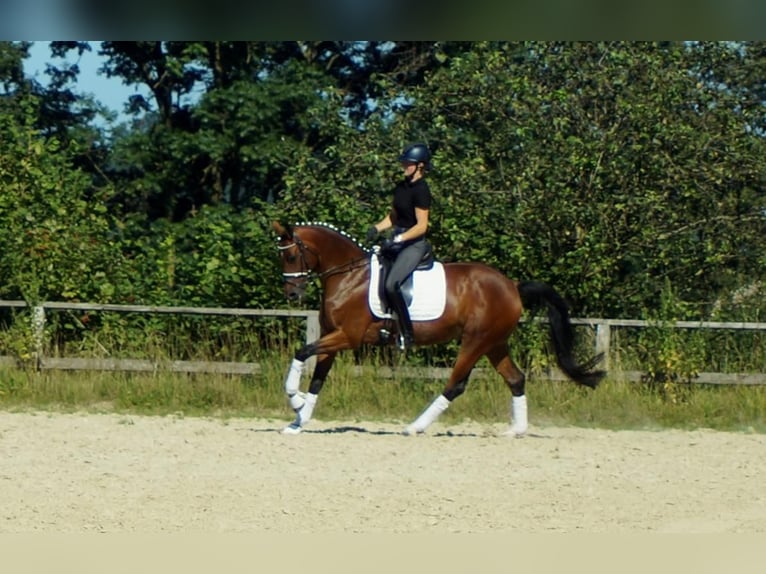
<point x="519" y="415"/>
<point x="293" y="379"/>
<point x="302" y="413"/>
<point x="297" y="401"/>
<point x="437" y="407"/>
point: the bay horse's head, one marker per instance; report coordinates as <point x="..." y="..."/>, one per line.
<point x="314" y="248"/>
<point x="298" y="261"/>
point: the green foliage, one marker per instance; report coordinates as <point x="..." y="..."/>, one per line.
<point x="601" y="168"/>
<point x="612" y="170"/>
<point x="218" y="257"/>
<point x="12" y="55"/>
<point x="253" y="122"/>
<point x="672" y="358"/>
<point x="54" y="227"/>
<point x="17" y="338"/>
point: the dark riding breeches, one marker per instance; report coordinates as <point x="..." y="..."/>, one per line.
<point x="404" y="264"/>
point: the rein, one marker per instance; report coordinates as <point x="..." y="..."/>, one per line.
<point x="345" y="267"/>
<point x="302" y="248"/>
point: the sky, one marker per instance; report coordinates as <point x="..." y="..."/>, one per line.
<point x="111" y="92"/>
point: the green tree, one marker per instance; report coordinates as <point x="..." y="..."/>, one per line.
<point x="601" y="167"/>
<point x="605" y="168"/>
<point x="54" y="227"/>
<point x="255" y="110"/>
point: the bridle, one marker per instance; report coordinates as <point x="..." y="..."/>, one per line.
<point x="306" y="271"/>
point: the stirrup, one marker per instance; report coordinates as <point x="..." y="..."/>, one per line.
<point x="405" y="342"/>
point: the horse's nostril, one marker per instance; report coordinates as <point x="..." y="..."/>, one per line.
<point x="292" y="296"/>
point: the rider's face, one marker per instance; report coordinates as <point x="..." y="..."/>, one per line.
<point x="410" y="168"/>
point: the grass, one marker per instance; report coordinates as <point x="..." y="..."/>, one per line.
<point x="615" y="405"/>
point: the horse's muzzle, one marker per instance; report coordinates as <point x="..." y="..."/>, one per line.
<point x="294" y="296"/>
<point x="294" y="292"/>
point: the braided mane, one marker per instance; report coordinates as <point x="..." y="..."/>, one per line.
<point x="332" y="227"/>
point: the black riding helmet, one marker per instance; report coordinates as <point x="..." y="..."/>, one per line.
<point x="417" y="153"/>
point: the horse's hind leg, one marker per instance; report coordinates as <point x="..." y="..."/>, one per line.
<point x="515" y="380"/>
<point x="464" y="364"/>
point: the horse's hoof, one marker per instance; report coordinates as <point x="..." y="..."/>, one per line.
<point x="411" y="431"/>
<point x="292" y="429"/>
<point x="515" y="433"/>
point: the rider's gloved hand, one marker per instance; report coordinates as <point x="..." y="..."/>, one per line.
<point x="388" y="246"/>
<point x="372" y="233"/>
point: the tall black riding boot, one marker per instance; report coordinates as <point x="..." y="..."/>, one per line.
<point x="399" y="306"/>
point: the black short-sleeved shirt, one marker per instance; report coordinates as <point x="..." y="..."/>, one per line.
<point x="408" y="196"/>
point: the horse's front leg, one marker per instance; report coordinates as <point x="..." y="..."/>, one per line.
<point x="303" y="404"/>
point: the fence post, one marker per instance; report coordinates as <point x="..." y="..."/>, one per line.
<point x="38" y="333"/>
<point x="312" y="334"/>
<point x="603" y="336"/>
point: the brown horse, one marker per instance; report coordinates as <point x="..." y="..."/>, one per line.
<point x="482" y="308"/>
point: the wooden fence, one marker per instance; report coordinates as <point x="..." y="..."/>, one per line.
<point x="603" y="337"/>
<point x="603" y="328"/>
<point x="110" y="364"/>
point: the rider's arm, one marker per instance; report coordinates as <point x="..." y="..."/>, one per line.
<point x="384" y="223"/>
<point x="419" y="228"/>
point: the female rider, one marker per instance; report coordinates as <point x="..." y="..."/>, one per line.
<point x="409" y="218"/>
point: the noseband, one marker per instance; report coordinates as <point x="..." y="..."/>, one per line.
<point x="305" y="269"/>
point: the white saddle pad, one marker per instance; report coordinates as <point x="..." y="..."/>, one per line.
<point x="429" y="292"/>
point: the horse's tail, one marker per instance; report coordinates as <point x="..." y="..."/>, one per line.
<point x="535" y="294"/>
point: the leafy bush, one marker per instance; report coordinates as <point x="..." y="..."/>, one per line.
<point x="672" y="358"/>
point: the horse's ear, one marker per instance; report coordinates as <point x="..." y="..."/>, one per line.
<point x="281" y="230"/>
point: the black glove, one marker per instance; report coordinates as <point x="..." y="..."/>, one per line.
<point x="388" y="247"/>
<point x="372" y="233"/>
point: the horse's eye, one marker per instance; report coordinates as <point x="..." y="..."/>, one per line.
<point x="290" y="258"/>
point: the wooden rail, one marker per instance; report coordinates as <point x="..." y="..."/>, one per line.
<point x="226" y="367"/>
<point x="603" y="335"/>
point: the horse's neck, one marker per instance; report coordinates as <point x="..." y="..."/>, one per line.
<point x="337" y="252"/>
<point x="346" y="280"/>
<point x="342" y="264"/>
<point x="335" y="260"/>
